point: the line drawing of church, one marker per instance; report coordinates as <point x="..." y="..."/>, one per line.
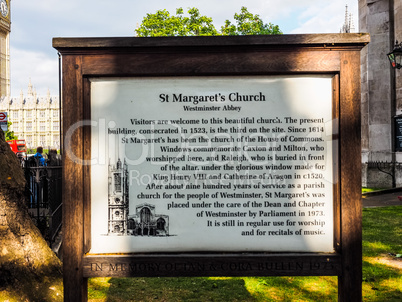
<point x="144" y="222"/>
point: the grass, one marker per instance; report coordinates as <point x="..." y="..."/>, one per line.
<point x="367" y="190"/>
<point x="382" y="237"/>
<point x="382" y="279"/>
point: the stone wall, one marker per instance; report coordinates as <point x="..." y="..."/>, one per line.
<point x="380" y="176"/>
<point x="381" y="86"/>
<point x="398" y="72"/>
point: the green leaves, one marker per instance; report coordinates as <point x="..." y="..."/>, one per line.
<point x="162" y="24"/>
<point x="9" y="135"/>
<point x="249" y="24"/>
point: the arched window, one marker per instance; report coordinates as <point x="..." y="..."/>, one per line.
<point x="117" y="182"/>
<point x="131" y="224"/>
<point x="160" y="224"/>
<point x="145" y="215"/>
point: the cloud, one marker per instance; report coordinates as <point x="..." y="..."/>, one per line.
<point x="47" y="6"/>
<point x="35" y="23"/>
<point x="327" y="18"/>
<point x="37" y="66"/>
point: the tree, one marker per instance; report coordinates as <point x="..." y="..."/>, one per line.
<point x="163" y="24"/>
<point x="10" y="134"/>
<point x="249" y="24"/>
<point x="29" y="270"/>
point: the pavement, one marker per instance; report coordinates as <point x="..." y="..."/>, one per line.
<point x="383" y="198"/>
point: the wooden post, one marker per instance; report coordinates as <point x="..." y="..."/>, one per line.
<point x="350" y="282"/>
<point x="75" y="286"/>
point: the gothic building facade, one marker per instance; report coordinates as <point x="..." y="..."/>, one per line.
<point x="144" y="222"/>
<point x="34" y="118"/>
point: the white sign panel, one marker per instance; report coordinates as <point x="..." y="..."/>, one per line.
<point x="235" y="164"/>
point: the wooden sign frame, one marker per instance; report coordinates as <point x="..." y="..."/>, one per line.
<point x="337" y="55"/>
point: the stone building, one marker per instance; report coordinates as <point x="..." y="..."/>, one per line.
<point x="5" y="27"/>
<point x="34" y="118"/>
<point x="381" y="93"/>
<point x="144" y="222"/>
<point x="118" y="198"/>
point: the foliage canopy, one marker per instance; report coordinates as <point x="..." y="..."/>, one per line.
<point x="249" y="24"/>
<point x="162" y="23"/>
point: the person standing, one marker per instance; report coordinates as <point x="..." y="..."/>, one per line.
<point x="39" y="157"/>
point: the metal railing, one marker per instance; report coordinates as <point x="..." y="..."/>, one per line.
<point x="44" y="198"/>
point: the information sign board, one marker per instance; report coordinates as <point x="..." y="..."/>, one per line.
<point x="398" y="133"/>
<point x="212" y="164"/>
<point x="212" y="156"/>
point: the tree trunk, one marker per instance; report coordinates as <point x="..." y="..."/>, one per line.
<point x="29" y="270"/>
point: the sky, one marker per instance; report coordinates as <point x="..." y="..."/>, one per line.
<point x="35" y="23"/>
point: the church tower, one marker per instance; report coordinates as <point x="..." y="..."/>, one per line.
<point x="118" y="199"/>
<point x="5" y="28"/>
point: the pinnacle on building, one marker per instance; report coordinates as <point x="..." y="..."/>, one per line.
<point x="348" y="26"/>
